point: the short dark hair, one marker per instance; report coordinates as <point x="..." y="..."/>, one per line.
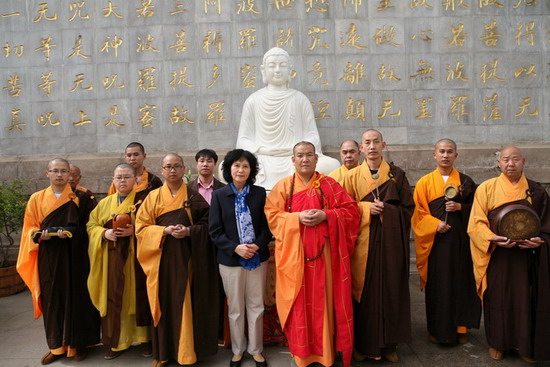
<point x="236" y="155"/>
<point x="135" y="144"/>
<point x="209" y="153"/>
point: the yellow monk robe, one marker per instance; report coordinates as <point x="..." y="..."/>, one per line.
<point x="489" y="195"/>
<point x="147" y="181"/>
<point x="339" y="173"/>
<point x="181" y="272"/>
<point x="66" y="284"/>
<point x="290" y="263"/>
<point x="428" y="188"/>
<point x="98" y="280"/>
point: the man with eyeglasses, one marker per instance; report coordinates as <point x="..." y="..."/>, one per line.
<point x="146" y="181"/>
<point x="112" y="280"/>
<point x="172" y="230"/>
<point x="134" y="154"/>
<point x="53" y="261"/>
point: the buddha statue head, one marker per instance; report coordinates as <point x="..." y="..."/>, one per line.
<point x="276" y="68"/>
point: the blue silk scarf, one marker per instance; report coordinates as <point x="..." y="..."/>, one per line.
<point x="245" y="226"/>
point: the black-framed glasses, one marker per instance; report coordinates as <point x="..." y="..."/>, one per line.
<point x="175" y="168"/>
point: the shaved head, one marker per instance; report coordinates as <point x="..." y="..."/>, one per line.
<point x="173" y="155"/>
<point x="373" y="130"/>
<point x="446" y="141"/>
<point x="303" y="142"/>
<point x="59" y="160"/>
<point x="350" y="141"/>
<point x="511" y="162"/>
<point x="510" y="150"/>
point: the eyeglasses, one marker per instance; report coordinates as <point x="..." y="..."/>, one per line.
<point x="57" y="171"/>
<point x="175" y="168"/>
<point x="125" y="178"/>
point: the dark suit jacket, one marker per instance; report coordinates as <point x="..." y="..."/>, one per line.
<point x="195" y="182"/>
<point x="222" y="224"/>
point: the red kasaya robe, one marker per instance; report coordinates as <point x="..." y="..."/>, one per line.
<point x="303" y="257"/>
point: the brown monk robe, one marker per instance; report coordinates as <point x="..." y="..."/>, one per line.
<point x="512" y="276"/>
<point x="56" y="269"/>
<point x="380" y="262"/>
<point x="181" y="272"/>
<point x="444" y="260"/>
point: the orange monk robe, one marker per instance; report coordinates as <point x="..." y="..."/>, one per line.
<point x="145" y="182"/>
<point x="489" y="195"/>
<point x="339" y="173"/>
<point x="150" y="237"/>
<point x="428" y="188"/>
<point x="40" y="204"/>
<point x="356" y="184"/>
<point x="290" y="262"/>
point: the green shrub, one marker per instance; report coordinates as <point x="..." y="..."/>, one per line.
<point x="12" y="210"/>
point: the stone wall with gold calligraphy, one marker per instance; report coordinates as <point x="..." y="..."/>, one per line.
<point x="90" y="76"/>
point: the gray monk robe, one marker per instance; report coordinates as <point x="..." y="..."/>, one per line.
<point x="181" y="275"/>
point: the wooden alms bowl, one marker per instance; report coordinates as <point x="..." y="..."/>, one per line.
<point x="121" y="220"/>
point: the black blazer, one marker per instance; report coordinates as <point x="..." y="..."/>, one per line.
<point x="222" y="224"/>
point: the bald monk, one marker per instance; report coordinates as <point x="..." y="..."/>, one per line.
<point x="315" y="224"/>
<point x="135" y="155"/>
<point x="53" y="262"/>
<point x="443" y="254"/>
<point x="182" y="276"/>
<point x="512" y="276"/>
<point x="112" y="280"/>
<point x="349" y="155"/>
<point x="380" y="262"/>
<point x="74" y="180"/>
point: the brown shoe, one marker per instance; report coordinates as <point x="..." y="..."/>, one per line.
<point x="391" y="356"/>
<point x="50" y="358"/>
<point x="358" y="356"/>
<point x="495" y="354"/>
<point x="433" y="339"/>
<point x="158" y="363"/>
<point x="528" y="359"/>
<point x="80" y="355"/>
<point x="111" y="354"/>
<point x="462" y="338"/>
<point x="147" y="349"/>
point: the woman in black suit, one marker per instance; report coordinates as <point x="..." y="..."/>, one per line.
<point x="238" y="227"/>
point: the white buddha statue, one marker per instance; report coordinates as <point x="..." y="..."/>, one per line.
<point x="275" y="118"/>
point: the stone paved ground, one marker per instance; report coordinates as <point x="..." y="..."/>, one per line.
<point x="22" y="344"/>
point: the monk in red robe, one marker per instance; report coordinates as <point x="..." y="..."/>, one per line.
<point x="315" y="223"/>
